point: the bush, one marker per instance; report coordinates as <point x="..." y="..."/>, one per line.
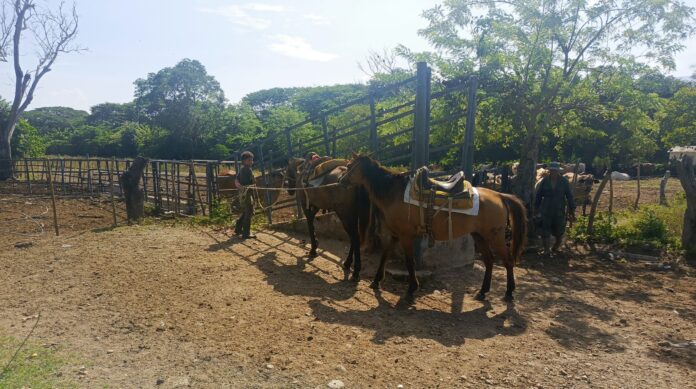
<point x="603" y="229"/>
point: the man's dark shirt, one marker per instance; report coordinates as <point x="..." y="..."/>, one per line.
<point x="245" y="177"/>
<point x="551" y="200"/>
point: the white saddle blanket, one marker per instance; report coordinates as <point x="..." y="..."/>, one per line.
<point x="473" y="211"/>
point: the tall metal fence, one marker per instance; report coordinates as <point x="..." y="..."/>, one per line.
<point x="393" y="122"/>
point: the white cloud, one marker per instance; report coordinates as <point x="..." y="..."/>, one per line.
<point x="297" y="47"/>
<point x="244" y="15"/>
<point x="264" y="7"/>
<point x="316" y="19"/>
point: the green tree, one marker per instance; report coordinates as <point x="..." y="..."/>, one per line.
<point x="186" y="101"/>
<point x="534" y="53"/>
<point x="54" y="120"/>
<point x="679" y="124"/>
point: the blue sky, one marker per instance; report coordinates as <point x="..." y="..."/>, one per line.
<point x="247" y="45"/>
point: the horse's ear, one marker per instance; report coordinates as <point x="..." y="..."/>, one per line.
<point x="355" y="155"/>
<point x="369" y="155"/>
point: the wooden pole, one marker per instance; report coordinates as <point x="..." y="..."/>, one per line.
<point x="53" y="197"/>
<point x="421" y="118"/>
<point x="611" y="194"/>
<point x="111" y="192"/>
<point x="99" y="176"/>
<point x="595" y="201"/>
<point x="663" y="187"/>
<point x="89" y="176"/>
<point x="176" y="170"/>
<point x="192" y="189"/>
<point x="26" y="169"/>
<point x="325" y="133"/>
<point x="635" y="205"/>
<point x="62" y="175"/>
<point x="468" y="147"/>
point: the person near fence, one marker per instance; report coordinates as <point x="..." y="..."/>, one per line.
<point x="244" y="179"/>
<point x="552" y="195"/>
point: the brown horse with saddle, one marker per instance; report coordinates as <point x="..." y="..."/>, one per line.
<point x="314" y="182"/>
<point x="496" y="214"/>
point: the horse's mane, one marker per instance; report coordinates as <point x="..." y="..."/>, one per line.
<point x="385" y="183"/>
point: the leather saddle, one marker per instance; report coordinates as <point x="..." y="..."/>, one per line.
<point x="452" y="185"/>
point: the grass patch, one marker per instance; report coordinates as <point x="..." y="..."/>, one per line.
<point x="34" y="366"/>
<point x="650" y="227"/>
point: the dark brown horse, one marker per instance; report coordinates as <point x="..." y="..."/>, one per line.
<point x="497" y="211"/>
<point x="351" y="204"/>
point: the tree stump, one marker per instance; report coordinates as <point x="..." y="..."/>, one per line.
<point x="132" y="192"/>
<point x="685" y="172"/>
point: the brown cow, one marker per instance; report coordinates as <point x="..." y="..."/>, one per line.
<point x="583" y="188"/>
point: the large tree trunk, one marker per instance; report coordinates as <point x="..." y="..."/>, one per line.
<point x="133" y="193"/>
<point x="685" y="171"/>
<point x="526" y="174"/>
<point x="5" y="155"/>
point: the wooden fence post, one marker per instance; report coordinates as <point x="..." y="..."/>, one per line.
<point x="325" y="131"/>
<point x="595" y="201"/>
<point x="89" y="176"/>
<point x="421" y="120"/>
<point x="468" y="147"/>
<point x="663" y="187"/>
<point x="192" y="189"/>
<point x="635" y="205"/>
<point x="111" y="185"/>
<point x="156" y="186"/>
<point x="26" y="169"/>
<point x="53" y="197"/>
<point x="288" y="140"/>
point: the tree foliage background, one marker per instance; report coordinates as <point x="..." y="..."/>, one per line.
<point x="558" y="81"/>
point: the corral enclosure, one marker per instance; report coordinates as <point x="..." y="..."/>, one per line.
<point x="190" y="306"/>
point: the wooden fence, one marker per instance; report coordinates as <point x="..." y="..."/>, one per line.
<point x="391" y="121"/>
<point x="171" y="187"/>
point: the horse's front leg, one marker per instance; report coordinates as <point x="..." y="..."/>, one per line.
<point x="379" y="277"/>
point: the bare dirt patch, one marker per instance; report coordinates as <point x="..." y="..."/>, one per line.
<point x="191" y="307"/>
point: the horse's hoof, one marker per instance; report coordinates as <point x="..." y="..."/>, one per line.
<point x="508" y="298"/>
<point x="312" y="254"/>
<point x="375" y="285"/>
<point x="480" y="296"/>
<point x="355" y="278"/>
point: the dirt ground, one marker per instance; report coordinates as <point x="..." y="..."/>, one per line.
<point x="165" y="305"/>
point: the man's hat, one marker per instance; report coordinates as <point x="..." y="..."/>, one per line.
<point x="554" y="166"/>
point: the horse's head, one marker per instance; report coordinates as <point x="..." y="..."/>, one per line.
<point x="355" y="173"/>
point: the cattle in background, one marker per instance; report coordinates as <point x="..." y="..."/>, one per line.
<point x="646" y="169"/>
<point x="583" y="189"/>
<point x="227" y="189"/>
<point x="570" y="167"/>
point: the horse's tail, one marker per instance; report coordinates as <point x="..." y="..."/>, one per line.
<point x="364" y="213"/>
<point x="518" y="213"/>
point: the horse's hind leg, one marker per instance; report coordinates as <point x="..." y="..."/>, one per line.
<point x="310" y="213"/>
<point x="407" y="245"/>
<point x="503" y="251"/>
<point x="485" y="250"/>
<point x="350" y="224"/>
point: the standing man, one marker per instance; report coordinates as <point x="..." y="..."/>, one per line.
<point x="244" y="179"/>
<point x="553" y="191"/>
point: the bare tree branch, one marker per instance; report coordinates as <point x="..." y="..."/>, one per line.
<point x="53" y="33"/>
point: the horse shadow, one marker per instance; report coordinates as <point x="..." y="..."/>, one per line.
<point x="399" y="320"/>
<point x="301" y="279"/>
